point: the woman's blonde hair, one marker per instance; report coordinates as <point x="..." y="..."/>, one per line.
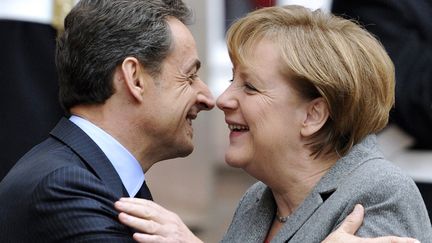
<point x="325" y="56"/>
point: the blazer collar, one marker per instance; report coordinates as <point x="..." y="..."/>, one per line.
<point x="91" y="155"/>
<point x="359" y="154"/>
<point x="366" y="150"/>
<point x="259" y="216"/>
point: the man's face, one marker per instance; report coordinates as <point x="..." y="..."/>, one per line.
<point x="179" y="95"/>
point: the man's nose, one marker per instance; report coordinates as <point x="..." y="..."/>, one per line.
<point x="205" y="98"/>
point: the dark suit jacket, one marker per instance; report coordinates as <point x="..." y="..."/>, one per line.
<point x="62" y="191"/>
<point x="405" y="29"/>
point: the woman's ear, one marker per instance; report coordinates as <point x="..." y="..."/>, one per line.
<point x="135" y="77"/>
<point x="317" y="115"/>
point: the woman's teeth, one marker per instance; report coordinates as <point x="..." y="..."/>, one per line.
<point x="238" y="128"/>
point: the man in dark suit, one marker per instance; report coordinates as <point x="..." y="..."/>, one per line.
<point x="128" y="80"/>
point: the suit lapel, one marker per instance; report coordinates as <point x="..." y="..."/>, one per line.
<point x="144" y="192"/>
<point x="92" y="156"/>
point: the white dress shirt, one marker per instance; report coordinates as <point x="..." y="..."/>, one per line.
<point x="127" y="167"/>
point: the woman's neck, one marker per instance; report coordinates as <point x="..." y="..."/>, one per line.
<point x="292" y="183"/>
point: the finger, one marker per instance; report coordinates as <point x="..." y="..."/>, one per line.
<point x="137" y="210"/>
<point x="137" y="201"/>
<point x="353" y="221"/>
<point x="145" y="238"/>
<point x="140" y="224"/>
<point x="143" y="202"/>
<point x="134" y="199"/>
<point x="146" y="210"/>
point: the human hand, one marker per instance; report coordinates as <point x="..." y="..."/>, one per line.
<point x="346" y="231"/>
<point x="153" y="222"/>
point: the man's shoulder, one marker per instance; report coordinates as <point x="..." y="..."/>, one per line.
<point x="62" y="201"/>
<point x="69" y="204"/>
<point x="41" y="163"/>
<point x="43" y="159"/>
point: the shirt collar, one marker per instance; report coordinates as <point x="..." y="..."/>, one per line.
<point x="127" y="167"/>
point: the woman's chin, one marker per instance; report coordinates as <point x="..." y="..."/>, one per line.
<point x="234" y="161"/>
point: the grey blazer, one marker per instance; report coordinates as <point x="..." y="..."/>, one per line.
<point x="392" y="201"/>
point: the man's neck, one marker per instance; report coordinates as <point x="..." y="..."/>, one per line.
<point x="120" y="127"/>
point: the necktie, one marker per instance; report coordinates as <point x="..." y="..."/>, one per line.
<point x="144" y="192"/>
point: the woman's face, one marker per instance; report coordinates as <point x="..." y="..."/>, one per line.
<point x="263" y="112"/>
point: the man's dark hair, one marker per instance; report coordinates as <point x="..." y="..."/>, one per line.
<point x="100" y="34"/>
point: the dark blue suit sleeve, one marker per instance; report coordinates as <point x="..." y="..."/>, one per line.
<point x="73" y="205"/>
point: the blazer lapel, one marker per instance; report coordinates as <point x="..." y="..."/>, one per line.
<point x="258" y="218"/>
<point x="328" y="184"/>
<point x="299" y="217"/>
<point x="92" y="156"/>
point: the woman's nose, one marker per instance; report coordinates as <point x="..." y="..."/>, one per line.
<point x="226" y="100"/>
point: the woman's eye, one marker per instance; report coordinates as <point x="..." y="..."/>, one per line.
<point x="250" y="88"/>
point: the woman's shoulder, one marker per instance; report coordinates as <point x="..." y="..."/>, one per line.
<point x="380" y="170"/>
<point x="391" y="199"/>
<point x="380" y="177"/>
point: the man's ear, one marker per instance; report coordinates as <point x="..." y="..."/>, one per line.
<point x="316" y="117"/>
<point x="135" y="77"/>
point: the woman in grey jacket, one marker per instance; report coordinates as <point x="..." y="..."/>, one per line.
<point x="309" y="92"/>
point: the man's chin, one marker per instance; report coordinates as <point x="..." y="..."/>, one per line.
<point x="184" y="150"/>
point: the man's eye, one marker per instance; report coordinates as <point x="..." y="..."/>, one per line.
<point x="192" y="77"/>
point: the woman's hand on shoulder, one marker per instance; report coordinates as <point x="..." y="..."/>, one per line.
<point x="152" y="222"/>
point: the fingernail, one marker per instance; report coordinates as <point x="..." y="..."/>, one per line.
<point x="124" y="217"/>
<point x="416" y="241"/>
<point x="357" y="208"/>
<point x="119" y="205"/>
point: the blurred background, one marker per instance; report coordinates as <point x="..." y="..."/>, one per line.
<point x="201" y="188"/>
